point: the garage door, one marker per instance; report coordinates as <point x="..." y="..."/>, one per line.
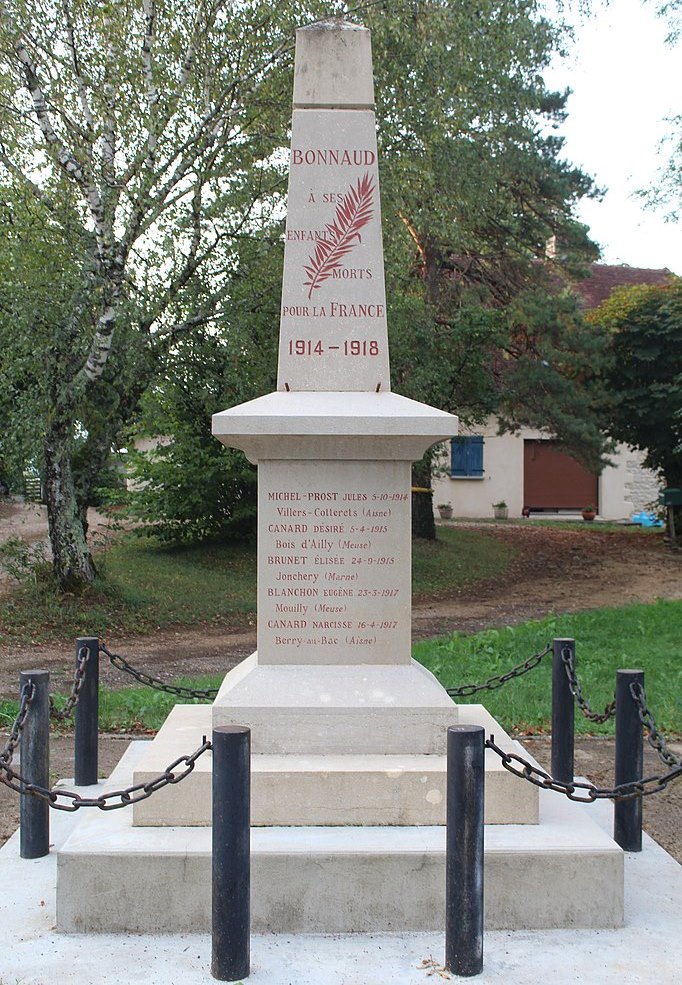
<point x="552" y="480"/>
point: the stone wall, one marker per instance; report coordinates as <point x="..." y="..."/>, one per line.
<point x="641" y="485"/>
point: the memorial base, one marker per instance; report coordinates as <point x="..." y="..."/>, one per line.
<point x="563" y="872"/>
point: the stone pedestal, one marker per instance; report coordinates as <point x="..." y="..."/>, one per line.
<point x="333" y="672"/>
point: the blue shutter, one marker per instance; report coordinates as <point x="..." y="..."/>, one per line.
<point x="459" y="457"/>
<point x="475" y="456"/>
<point x="467" y="457"/>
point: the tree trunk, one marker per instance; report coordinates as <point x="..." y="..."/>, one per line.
<point x="71" y="559"/>
<point x="423" y="523"/>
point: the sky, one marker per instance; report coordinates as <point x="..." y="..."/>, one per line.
<point x="625" y="81"/>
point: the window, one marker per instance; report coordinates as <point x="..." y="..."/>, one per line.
<point x="467" y="458"/>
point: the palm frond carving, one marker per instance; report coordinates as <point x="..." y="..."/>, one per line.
<point x="343" y="234"/>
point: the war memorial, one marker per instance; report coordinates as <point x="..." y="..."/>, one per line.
<point x="348" y="733"/>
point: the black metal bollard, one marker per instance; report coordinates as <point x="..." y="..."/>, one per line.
<point x="231" y="890"/>
<point x="34" y="813"/>
<point x="563" y="708"/>
<point x="464" y="850"/>
<point x="87" y="716"/>
<point x="627" y="814"/>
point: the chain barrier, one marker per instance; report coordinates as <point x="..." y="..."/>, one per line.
<point x="184" y="692"/>
<point x="70" y="800"/>
<point x="624" y="791"/>
<point x="646" y="717"/>
<point x="7" y="754"/>
<point x="577" y="691"/>
<point x="61" y="714"/>
<point x="494" y="682"/>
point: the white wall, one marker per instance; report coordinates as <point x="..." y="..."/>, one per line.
<point x="624" y="488"/>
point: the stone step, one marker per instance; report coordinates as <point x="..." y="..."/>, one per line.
<point x="116" y="878"/>
<point x="326" y="790"/>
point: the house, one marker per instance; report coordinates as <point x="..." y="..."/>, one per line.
<point x="529" y="470"/>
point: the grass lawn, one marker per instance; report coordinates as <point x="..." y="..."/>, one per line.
<point x="575" y="526"/>
<point x="147" y="585"/>
<point x="641" y="637"/>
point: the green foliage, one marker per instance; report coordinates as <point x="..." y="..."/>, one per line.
<point x="641" y="636"/>
<point x="644" y="374"/>
<point x="155" y="138"/>
<point x="193" y="489"/>
<point x="189" y="487"/>
<point x="473" y="192"/>
<point x="160" y="194"/>
<point x="550" y="378"/>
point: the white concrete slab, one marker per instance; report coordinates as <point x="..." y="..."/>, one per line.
<point x="347" y="709"/>
<point x="327" y="426"/>
<point x="333" y="66"/>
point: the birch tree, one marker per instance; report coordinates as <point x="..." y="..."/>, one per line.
<point x="143" y="131"/>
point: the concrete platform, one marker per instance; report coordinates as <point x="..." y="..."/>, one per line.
<point x="326" y="790"/>
<point x="564" y="872"/>
<point x="645" y="948"/>
<point x="337" y="708"/>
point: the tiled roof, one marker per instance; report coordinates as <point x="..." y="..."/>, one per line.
<point x="604" y="278"/>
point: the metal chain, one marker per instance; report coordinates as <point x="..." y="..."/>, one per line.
<point x="624" y="791"/>
<point x="26" y="697"/>
<point x="69" y="800"/>
<point x="184" y="692"/>
<point x="494" y="682"/>
<point x="63" y="713"/>
<point x="646" y="717"/>
<point x="577" y="691"/>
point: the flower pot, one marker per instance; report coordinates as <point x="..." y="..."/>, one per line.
<point x="589" y="515"/>
<point x="445" y="512"/>
<point x="501" y="512"/>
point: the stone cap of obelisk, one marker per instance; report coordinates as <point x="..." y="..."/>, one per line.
<point x="333" y="66"/>
<point x="333" y="328"/>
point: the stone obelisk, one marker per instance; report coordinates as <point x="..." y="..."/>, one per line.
<point x="334" y="448"/>
<point x="348" y="787"/>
